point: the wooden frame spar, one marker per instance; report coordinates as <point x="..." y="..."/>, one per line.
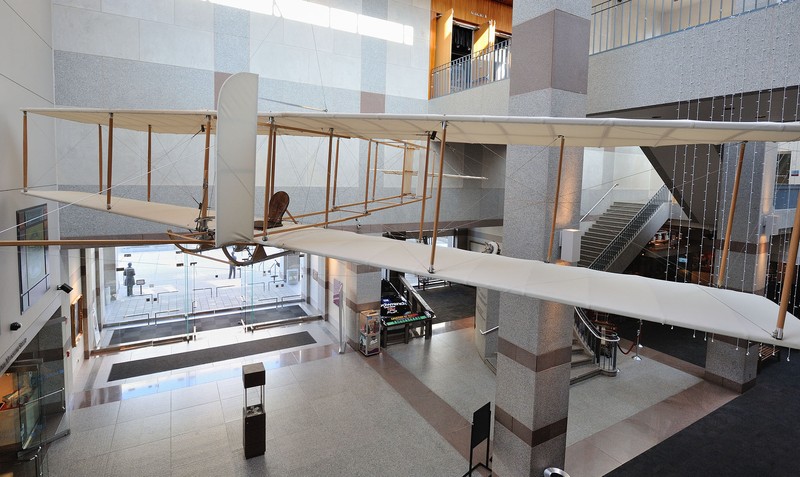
<point x="99" y="159"/>
<point x="149" y="159"/>
<point x="268" y="172"/>
<point x="788" y="279"/>
<point x="25" y="151"/>
<point x="555" y="202"/>
<point x="424" y="183"/>
<point x="110" y="152"/>
<point x="204" y="203"/>
<point x="442" y="149"/>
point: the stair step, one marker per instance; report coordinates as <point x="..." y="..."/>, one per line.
<point x="580" y="359"/>
<point x="582" y="374"/>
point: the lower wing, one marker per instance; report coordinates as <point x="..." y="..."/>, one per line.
<point x="736" y="314"/>
<point x="167" y="214"/>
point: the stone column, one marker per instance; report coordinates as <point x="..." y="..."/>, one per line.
<point x="730" y="362"/>
<point x="360" y="290"/>
<point x="548" y="77"/>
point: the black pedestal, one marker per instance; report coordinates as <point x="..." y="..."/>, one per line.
<point x="255" y="431"/>
<point x="254" y="420"/>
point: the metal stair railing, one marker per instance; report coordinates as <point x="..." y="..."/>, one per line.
<point x="617" y="245"/>
<point x="601" y="343"/>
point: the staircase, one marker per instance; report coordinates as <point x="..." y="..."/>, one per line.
<point x="607" y="227"/>
<point x="614" y="240"/>
<point x="582" y="365"/>
<point x="610" y="245"/>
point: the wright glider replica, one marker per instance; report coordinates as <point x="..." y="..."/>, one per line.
<point x="232" y="222"/>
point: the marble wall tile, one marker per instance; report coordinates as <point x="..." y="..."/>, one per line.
<point x="187" y="47"/>
<point x="153" y="10"/>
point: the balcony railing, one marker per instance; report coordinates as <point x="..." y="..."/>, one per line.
<point x="483" y="67"/>
<point x="615" y="23"/>
<point x="618" y="23"/>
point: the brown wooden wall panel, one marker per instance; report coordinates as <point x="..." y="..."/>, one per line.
<point x="477" y="12"/>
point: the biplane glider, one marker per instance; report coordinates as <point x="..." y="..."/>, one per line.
<point x="233" y="222"/>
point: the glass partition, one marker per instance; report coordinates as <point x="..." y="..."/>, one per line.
<point x="20" y="406"/>
<point x="178" y="294"/>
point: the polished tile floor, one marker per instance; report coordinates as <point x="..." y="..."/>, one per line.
<point x="403" y="412"/>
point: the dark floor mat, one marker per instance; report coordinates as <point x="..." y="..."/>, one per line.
<point x="159" y="364"/>
<point x="755" y="434"/>
<point x="450" y="302"/>
<point x="175" y="328"/>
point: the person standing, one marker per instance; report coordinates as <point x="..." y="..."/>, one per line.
<point x="232" y="267"/>
<point x="129" y="280"/>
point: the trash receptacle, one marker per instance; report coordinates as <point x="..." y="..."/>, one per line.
<point x="554" y="472"/>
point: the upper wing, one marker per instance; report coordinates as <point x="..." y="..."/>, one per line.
<point x="533" y="131"/>
<point x="741" y="315"/>
<point x="167" y="214"/>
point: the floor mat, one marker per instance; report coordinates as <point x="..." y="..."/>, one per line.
<point x="175" y="328"/>
<point x="450" y="302"/>
<point x="159" y="364"/>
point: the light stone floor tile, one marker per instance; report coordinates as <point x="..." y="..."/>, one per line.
<point x="145" y="406"/>
<point x="236" y="434"/>
<point x="74" y="466"/>
<point x="232" y="408"/>
<point x="285" y="396"/>
<point x="94" y="417"/>
<point x="90" y="443"/>
<point x="230" y="387"/>
<point x="141" y="431"/>
<point x="151" y="459"/>
<point x="205" y="443"/>
<point x="213" y="465"/>
<point x="192" y="419"/>
<point x="194" y="395"/>
<point x="280" y="377"/>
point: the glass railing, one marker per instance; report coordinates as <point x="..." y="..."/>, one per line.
<point x="483" y="67"/>
<point x="617" y="23"/>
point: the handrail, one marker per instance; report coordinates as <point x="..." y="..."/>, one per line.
<point x="598" y="202"/>
<point x="482" y="67"/>
<point x="617" y="23"/>
<point x="606" y="257"/>
<point x="417" y="297"/>
<point x="612" y="337"/>
<point x="603" y="346"/>
<point x="489" y="330"/>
